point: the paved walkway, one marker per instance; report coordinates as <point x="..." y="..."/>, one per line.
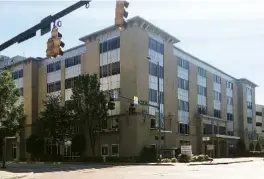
<point x="227" y="161"/>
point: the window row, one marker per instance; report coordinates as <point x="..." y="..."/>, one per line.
<point x="184" y="128"/>
<point x="183" y="84"/>
<point x="202" y="109"/>
<point x="69" y="83"/>
<point x="52" y="87"/>
<point x="153" y="96"/>
<point x="217" y="79"/>
<point x="230" y="133"/>
<point x="217" y="96"/>
<point x="69" y="62"/>
<point x="110" y="69"/>
<point x="258" y="124"/>
<point x="201" y="90"/>
<point x="217" y="113"/>
<point x="201" y="72"/>
<point x="249" y="91"/>
<point x="183" y="105"/>
<point x="249" y="105"/>
<point x="229" y="117"/>
<point x="183" y="63"/>
<point x="109" y="45"/>
<point x="17" y="74"/>
<point x="229" y="85"/>
<point x="154" y="70"/>
<point x="53" y="67"/>
<point x="259" y="113"/>
<point x="213" y="129"/>
<point x="106" y="152"/>
<point x="229" y="100"/>
<point x="156" y="46"/>
<point x="249" y="120"/>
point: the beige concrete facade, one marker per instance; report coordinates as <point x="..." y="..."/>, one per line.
<point x="134" y="131"/>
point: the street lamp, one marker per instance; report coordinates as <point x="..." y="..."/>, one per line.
<point x="158" y="107"/>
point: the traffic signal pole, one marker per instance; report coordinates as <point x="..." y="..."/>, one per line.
<point x="44" y="25"/>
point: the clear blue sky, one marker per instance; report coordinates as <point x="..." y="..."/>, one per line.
<point x="228" y="34"/>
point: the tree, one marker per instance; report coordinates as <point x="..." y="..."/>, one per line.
<point x="251" y="147"/>
<point x="78" y="143"/>
<point x="11" y="109"/>
<point x="55" y="121"/>
<point x="89" y="105"/>
<point x="35" y="145"/>
<point x="258" y="147"/>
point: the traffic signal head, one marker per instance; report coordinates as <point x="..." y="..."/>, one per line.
<point x="54" y="44"/>
<point x="121" y="13"/>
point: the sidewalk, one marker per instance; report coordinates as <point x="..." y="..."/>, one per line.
<point x="9" y="175"/>
<point x="223" y="161"/>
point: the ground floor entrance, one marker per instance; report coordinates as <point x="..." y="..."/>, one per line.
<point x="219" y="146"/>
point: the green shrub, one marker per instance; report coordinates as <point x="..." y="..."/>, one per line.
<point x="251" y="147"/>
<point x="182" y="158"/>
<point x="258" y="147"/>
<point x="148" y="154"/>
<point x="173" y="160"/>
<point x="201" y="158"/>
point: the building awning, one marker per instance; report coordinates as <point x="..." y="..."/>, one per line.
<point x="223" y="136"/>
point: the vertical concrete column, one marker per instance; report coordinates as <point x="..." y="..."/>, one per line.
<point x="210" y="94"/>
<point x="63" y="82"/>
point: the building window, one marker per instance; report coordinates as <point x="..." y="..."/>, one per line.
<point x="222" y="130"/>
<point x="115" y="123"/>
<point x="229" y="100"/>
<point x="183" y="63"/>
<point x="201" y="72"/>
<point x="249" y="120"/>
<point x="249" y="91"/>
<point x="110" y="69"/>
<point x="69" y="83"/>
<point x="53" y="67"/>
<point x="52" y="87"/>
<point x="14" y="151"/>
<point x="217" y="113"/>
<point x="109" y="45"/>
<point x="230" y="133"/>
<point x="207" y="129"/>
<point x="201" y="90"/>
<point x="104" y="124"/>
<point x="202" y="109"/>
<point x="259" y="113"/>
<point x="183" y="105"/>
<point x="258" y="124"/>
<point x="156" y="46"/>
<point x="229" y="85"/>
<point x="69" y="62"/>
<point x="152" y="95"/>
<point x="115" y="150"/>
<point x="183" y="84"/>
<point x="184" y="128"/>
<point x="249" y="105"/>
<point x="217" y="79"/>
<point x="229" y="117"/>
<point x="153" y="70"/>
<point x="17" y="74"/>
<point x="152" y="123"/>
<point x="217" y="96"/>
<point x="104" y="150"/>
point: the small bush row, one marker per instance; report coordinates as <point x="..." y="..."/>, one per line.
<point x="168" y="160"/>
<point x="182" y="158"/>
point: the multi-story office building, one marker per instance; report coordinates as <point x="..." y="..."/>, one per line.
<point x="197" y="99"/>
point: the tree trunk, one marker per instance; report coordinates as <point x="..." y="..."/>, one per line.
<point x="3" y="154"/>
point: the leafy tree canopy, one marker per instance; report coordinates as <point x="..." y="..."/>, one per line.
<point x="89" y="105"/>
<point x="55" y="120"/>
<point x="11" y="106"/>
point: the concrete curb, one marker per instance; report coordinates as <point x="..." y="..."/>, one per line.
<point x="15" y="177"/>
<point x="221" y="163"/>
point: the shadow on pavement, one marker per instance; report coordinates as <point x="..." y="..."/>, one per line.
<point x="43" y="168"/>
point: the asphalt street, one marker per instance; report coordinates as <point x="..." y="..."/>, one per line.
<point x="179" y="171"/>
